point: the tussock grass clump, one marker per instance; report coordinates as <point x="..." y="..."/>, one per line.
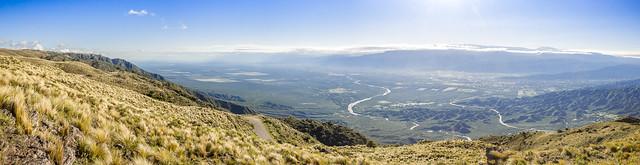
<point x="13" y="99"/>
<point x="56" y="152"/>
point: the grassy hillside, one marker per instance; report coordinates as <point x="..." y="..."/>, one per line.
<point x="599" y="143"/>
<point x="445" y="152"/>
<point x="124" y="74"/>
<point x="49" y="115"/>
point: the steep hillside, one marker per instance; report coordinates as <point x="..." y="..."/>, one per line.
<point x="127" y="75"/>
<point x="444" y="152"/>
<point x="49" y="115"/>
<point x="600" y="143"/>
<point x="327" y="133"/>
<point x="593" y="103"/>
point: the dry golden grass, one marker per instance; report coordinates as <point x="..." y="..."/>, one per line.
<point x="13" y="100"/>
<point x="448" y="152"/>
<point x="600" y="143"/>
<point x="2" y="156"/>
<point x="119" y="126"/>
<point x="56" y="152"/>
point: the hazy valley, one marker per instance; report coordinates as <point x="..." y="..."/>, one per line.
<point x="421" y="103"/>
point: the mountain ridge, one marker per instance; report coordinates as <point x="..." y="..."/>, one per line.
<point x="617" y="72"/>
<point x="478" y="61"/>
<point x="168" y="91"/>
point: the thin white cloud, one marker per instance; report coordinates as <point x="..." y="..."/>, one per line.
<point x="36" y="45"/>
<point x="180" y="27"/>
<point x="183" y="26"/>
<point x="142" y="12"/>
<point x="364" y="49"/>
<point x="167" y="26"/>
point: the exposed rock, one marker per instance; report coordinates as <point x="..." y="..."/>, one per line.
<point x="629" y="119"/>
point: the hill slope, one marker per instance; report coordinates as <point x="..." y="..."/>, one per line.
<point x="327" y="133"/>
<point x="127" y="75"/>
<point x="49" y="115"/>
<point x="600" y="143"/>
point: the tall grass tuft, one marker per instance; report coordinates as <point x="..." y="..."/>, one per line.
<point x="13" y="100"/>
<point x="56" y="152"/>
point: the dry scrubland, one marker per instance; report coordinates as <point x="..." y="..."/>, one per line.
<point x="450" y="152"/>
<point x="598" y="143"/>
<point x="61" y="113"/>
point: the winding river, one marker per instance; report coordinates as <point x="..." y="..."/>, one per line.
<point x="453" y="103"/>
<point x="414" y="125"/>
<point x="502" y="122"/>
<point x="353" y="104"/>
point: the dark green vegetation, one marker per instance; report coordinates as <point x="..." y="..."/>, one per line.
<point x="599" y="102"/>
<point x="326" y="132"/>
<point x="127" y="75"/>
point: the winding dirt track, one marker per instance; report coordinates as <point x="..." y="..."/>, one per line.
<point x="258" y="127"/>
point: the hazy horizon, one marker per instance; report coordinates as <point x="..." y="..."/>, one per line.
<point x="320" y="82"/>
<point x="144" y="29"/>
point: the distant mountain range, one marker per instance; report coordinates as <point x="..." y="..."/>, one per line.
<point x="621" y="98"/>
<point x="479" y="61"/>
<point x="618" y="72"/>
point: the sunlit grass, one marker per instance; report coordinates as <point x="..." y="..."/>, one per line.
<point x="13" y="99"/>
<point x="56" y="152"/>
<point x="118" y="126"/>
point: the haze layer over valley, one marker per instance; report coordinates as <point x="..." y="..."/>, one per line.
<point x="403" y="96"/>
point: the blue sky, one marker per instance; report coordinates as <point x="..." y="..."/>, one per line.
<point x="175" y="26"/>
